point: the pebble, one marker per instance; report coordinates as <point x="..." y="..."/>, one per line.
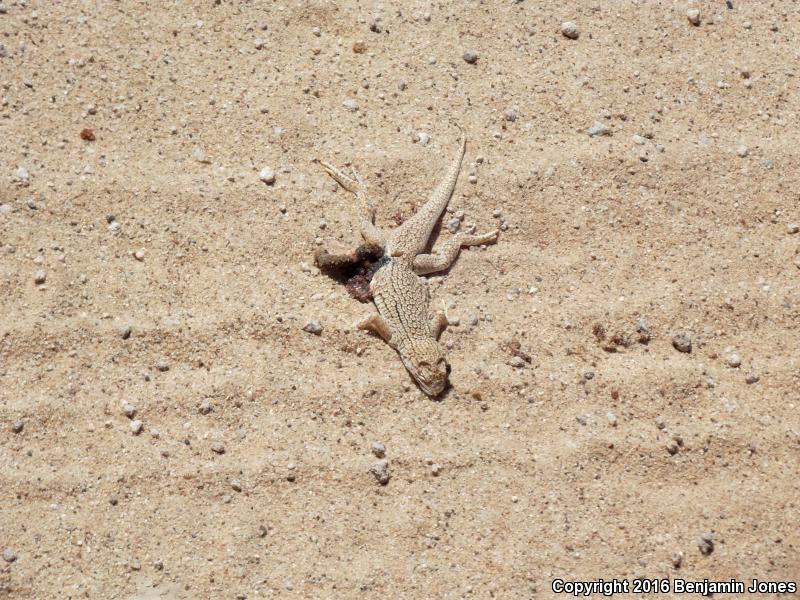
<point x="518" y="362"/>
<point x="218" y="447"/>
<point x="453" y="224"/>
<point x="436" y="469"/>
<point x="643" y="331"/>
<point x="313" y="327"/>
<point x="139" y="255"/>
<point x="569" y="29"/>
<point x="423" y="138"/>
<point x="706" y="544"/>
<point x="162" y="366"/>
<point x="259" y="43"/>
<point x="381" y="471"/>
<point x="9" y="555"/>
<point x="350" y="105"/>
<point x="682" y="342"/>
<point x="693" y="14"/>
<point x="3" y="51"/>
<point x="199" y="155"/>
<point x="677" y="559"/>
<point x="125" y="332"/>
<point x="598" y="129"/>
<point x="236" y="485"/>
<point x="18" y="426"/>
<point x="128" y="409"/>
<point x="205" y="407"/>
<point x="23" y="176"/>
<point x="612" y="419"/>
<point x="267" y="175"/>
<point x="742" y="151"/>
<point x="40" y="277"/>
<point x="136" y="427"/>
<point x="471" y="56"/>
<point x="113" y="500"/>
<point x="792" y="228"/>
<point x="751" y="378"/>
<point x="511" y="115"/>
<point x="734" y="361"/>
<point x="379" y="449"/>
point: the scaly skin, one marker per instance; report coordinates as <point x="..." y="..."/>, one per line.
<point x="404" y="319"/>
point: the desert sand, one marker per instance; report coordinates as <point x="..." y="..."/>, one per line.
<point x="169" y="430"/>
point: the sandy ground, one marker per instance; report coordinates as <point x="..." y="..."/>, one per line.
<point x="602" y="457"/>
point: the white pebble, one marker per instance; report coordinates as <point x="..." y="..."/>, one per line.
<point x="350" y="105"/>
<point x="693" y="14"/>
<point x="569" y="29"/>
<point x="136" y="427"/>
<point x="379" y="449"/>
<point x="267" y="175"/>
<point x="139" y="255"/>
<point x="199" y="155"/>
<point x="40" y="277"/>
<point x="734" y="361"/>
<point x="598" y="129"/>
<point x="742" y="151"/>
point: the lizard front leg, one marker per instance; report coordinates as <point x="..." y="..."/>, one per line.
<point x="430" y="263"/>
<point x="377" y="324"/>
<point x="438" y="323"/>
<point x="366" y="208"/>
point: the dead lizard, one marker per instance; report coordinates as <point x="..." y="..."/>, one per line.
<point x="404" y="320"/>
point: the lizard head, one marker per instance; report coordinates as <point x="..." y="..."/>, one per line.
<point x="425" y="361"/>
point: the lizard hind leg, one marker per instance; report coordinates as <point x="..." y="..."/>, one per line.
<point x="431" y="263"/>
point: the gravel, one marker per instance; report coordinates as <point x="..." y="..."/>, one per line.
<point x="162" y="366"/>
<point x="379" y="449"/>
<point x="471" y="56"/>
<point x="742" y="151"/>
<point x="236" y="485"/>
<point x="205" y="407"/>
<point x="18" y="426"/>
<point x="598" y="129"/>
<point x="267" y="175"/>
<point x="350" y="104"/>
<point x="218" y="447"/>
<point x="9" y="555"/>
<point x="125" y="332"/>
<point x="313" y="327"/>
<point x="381" y="471"/>
<point x="682" y="342"/>
<point x="136" y="427"/>
<point x="706" y="543"/>
<point x="40" y="277"/>
<point x="569" y="29"/>
<point x="751" y="378"/>
<point x="129" y="410"/>
<point x="792" y="228"/>
<point x="693" y="14"/>
<point x="734" y="361"/>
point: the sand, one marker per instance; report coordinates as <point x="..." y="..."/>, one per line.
<point x="602" y="457"/>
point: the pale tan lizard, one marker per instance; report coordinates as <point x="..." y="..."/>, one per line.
<point x="404" y="320"/>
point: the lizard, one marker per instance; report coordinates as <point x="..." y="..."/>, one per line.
<point x="404" y="319"/>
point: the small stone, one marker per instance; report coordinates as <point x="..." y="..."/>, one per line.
<point x="436" y="469"/>
<point x="598" y="129"/>
<point x="379" y="449"/>
<point x="40" y="277"/>
<point x="672" y="447"/>
<point x="453" y="225"/>
<point x="518" y="362"/>
<point x="359" y="47"/>
<point x="129" y="410"/>
<point x="742" y="151"/>
<point x="588" y="375"/>
<point x="23" y="176"/>
<point x="682" y="342"/>
<point x="511" y="115"/>
<point x="139" y="255"/>
<point x="734" y="361"/>
<point x="581" y="419"/>
<point x="612" y="419"/>
<point x="751" y="378"/>
<point x="259" y="43"/>
<point x="267" y="175"/>
<point x="236" y="485"/>
<point x="18" y="426"/>
<point x="471" y="56"/>
<point x="706" y="544"/>
<point x="381" y="471"/>
<point x="313" y="327"/>
<point x="9" y="555"/>
<point x="350" y="105"/>
<point x="205" y="407"/>
<point x="158" y="565"/>
<point x="218" y="448"/>
<point x="677" y="559"/>
<point x="199" y="155"/>
<point x="125" y="332"/>
<point x="693" y="14"/>
<point x="136" y="427"/>
<point x="792" y="228"/>
<point x="473" y="179"/>
<point x="162" y="365"/>
<point x="423" y="138"/>
<point x="113" y="500"/>
<point x="569" y="29"/>
<point x="643" y="331"/>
